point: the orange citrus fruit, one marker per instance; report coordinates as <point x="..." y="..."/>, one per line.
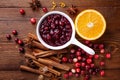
<point x="90" y="24"/>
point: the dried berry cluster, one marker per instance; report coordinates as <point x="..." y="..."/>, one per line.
<point x="85" y="64"/>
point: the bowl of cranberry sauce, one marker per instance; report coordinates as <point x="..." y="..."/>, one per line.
<point x="55" y="30"/>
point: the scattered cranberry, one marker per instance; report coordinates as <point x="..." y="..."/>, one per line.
<point x="45" y="9"/>
<point x="21" y="50"/>
<point x="70" y="73"/>
<point x="70" y="60"/>
<point x="73" y="70"/>
<point x="96" y="56"/>
<point x="102" y="63"/>
<point x="72" y="50"/>
<point x="102" y="72"/>
<point x="90" y="56"/>
<point x="86" y="77"/>
<point x="101" y="46"/>
<point x="66" y="75"/>
<point x="14" y="32"/>
<point x="75" y="59"/>
<point x="33" y="20"/>
<point x="77" y="64"/>
<point x="78" y="70"/>
<point x="22" y="11"/>
<point x="77" y="75"/>
<point x="83" y="59"/>
<point x="8" y="36"/>
<point x="89" y="61"/>
<point x="83" y="64"/>
<point x="79" y="58"/>
<point x="78" y="53"/>
<point x="92" y="65"/>
<point x="16" y="40"/>
<point x="102" y="51"/>
<point x="108" y="55"/>
<point x="20" y="42"/>
<point x="64" y="59"/>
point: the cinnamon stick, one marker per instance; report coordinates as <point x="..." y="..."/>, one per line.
<point x="26" y="68"/>
<point x="32" y="36"/>
<point x="37" y="50"/>
<point x="53" y="63"/>
<point x="55" y="59"/>
<point x="49" y="69"/>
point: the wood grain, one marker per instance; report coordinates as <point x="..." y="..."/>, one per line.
<point x="10" y="19"/>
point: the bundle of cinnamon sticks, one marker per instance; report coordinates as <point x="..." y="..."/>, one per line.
<point x="45" y="60"/>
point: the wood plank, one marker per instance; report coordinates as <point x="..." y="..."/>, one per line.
<point x="48" y="3"/>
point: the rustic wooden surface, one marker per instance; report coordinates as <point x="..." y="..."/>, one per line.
<point x="10" y="19"/>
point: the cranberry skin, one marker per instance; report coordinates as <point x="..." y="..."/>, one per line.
<point x="78" y="70"/>
<point x="8" y="36"/>
<point x="83" y="64"/>
<point x="79" y="58"/>
<point x="22" y="11"/>
<point x="20" y="42"/>
<point x="66" y="75"/>
<point x="102" y="63"/>
<point x="44" y="10"/>
<point x="14" y="32"/>
<point x="16" y="40"/>
<point x="77" y="64"/>
<point x="101" y="46"/>
<point x="96" y="56"/>
<point x="78" y="53"/>
<point x="33" y="20"/>
<point x="108" y="55"/>
<point x="89" y="61"/>
<point x="102" y="51"/>
<point x="102" y="73"/>
<point x="70" y="73"/>
<point x="64" y="59"/>
<point x="21" y="50"/>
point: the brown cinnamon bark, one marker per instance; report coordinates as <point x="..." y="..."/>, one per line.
<point x="37" y="50"/>
<point x="55" y="59"/>
<point x="53" y="63"/>
<point x="26" y="68"/>
<point x="49" y="69"/>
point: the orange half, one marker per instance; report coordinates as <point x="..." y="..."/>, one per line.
<point x="90" y="24"/>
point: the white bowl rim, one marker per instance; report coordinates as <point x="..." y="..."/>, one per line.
<point x="56" y="47"/>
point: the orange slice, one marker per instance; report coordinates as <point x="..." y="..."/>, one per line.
<point x="90" y="24"/>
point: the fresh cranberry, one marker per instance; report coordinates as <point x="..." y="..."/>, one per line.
<point x="77" y="75"/>
<point x="72" y="56"/>
<point x="21" y="50"/>
<point x="8" y="36"/>
<point x="90" y="56"/>
<point x="87" y="42"/>
<point x="70" y="73"/>
<point x="92" y="65"/>
<point x="101" y="46"/>
<point x="14" y="32"/>
<point x="83" y="64"/>
<point x="75" y="59"/>
<point x="82" y="72"/>
<point x="87" y="67"/>
<point x="78" y="53"/>
<point x="79" y="58"/>
<point x="64" y="59"/>
<point x="90" y="45"/>
<point x="72" y="50"/>
<point x="66" y="75"/>
<point x="45" y="9"/>
<point x="102" y="51"/>
<point x="73" y="70"/>
<point x="33" y="20"/>
<point x="20" y="42"/>
<point x="70" y="60"/>
<point x="78" y="70"/>
<point x="102" y="63"/>
<point x="95" y="46"/>
<point x="102" y="72"/>
<point x="83" y="59"/>
<point x="89" y="61"/>
<point x="16" y="40"/>
<point x="77" y="64"/>
<point x="108" y="55"/>
<point x="96" y="56"/>
<point x="22" y="11"/>
<point x="86" y="77"/>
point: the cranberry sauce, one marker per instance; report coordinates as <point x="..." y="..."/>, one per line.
<point x="55" y="30"/>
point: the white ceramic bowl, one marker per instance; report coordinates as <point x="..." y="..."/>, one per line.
<point x="72" y="40"/>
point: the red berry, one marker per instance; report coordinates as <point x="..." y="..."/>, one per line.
<point x="89" y="60"/>
<point x="22" y="11"/>
<point x="70" y="60"/>
<point x="45" y="9"/>
<point x="92" y="65"/>
<point x="78" y="53"/>
<point x="21" y="50"/>
<point x="79" y="58"/>
<point x="66" y="76"/>
<point x="87" y="42"/>
<point x="83" y="64"/>
<point x="90" y="56"/>
<point x="78" y="70"/>
<point x="96" y="56"/>
<point x="82" y="72"/>
<point x="73" y="70"/>
<point x="14" y="32"/>
<point x="8" y="36"/>
<point x="72" y="50"/>
<point x="76" y="75"/>
<point x="20" y="42"/>
<point x="75" y="59"/>
<point x="102" y="51"/>
<point x="77" y="64"/>
<point x="64" y="59"/>
<point x="108" y="55"/>
<point x="33" y="20"/>
<point x="70" y="73"/>
<point x="87" y="67"/>
<point x="102" y="72"/>
<point x="95" y="46"/>
<point x="101" y="46"/>
<point x="102" y="63"/>
<point x="16" y="40"/>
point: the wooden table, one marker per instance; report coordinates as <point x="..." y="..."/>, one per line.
<point x="10" y="19"/>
